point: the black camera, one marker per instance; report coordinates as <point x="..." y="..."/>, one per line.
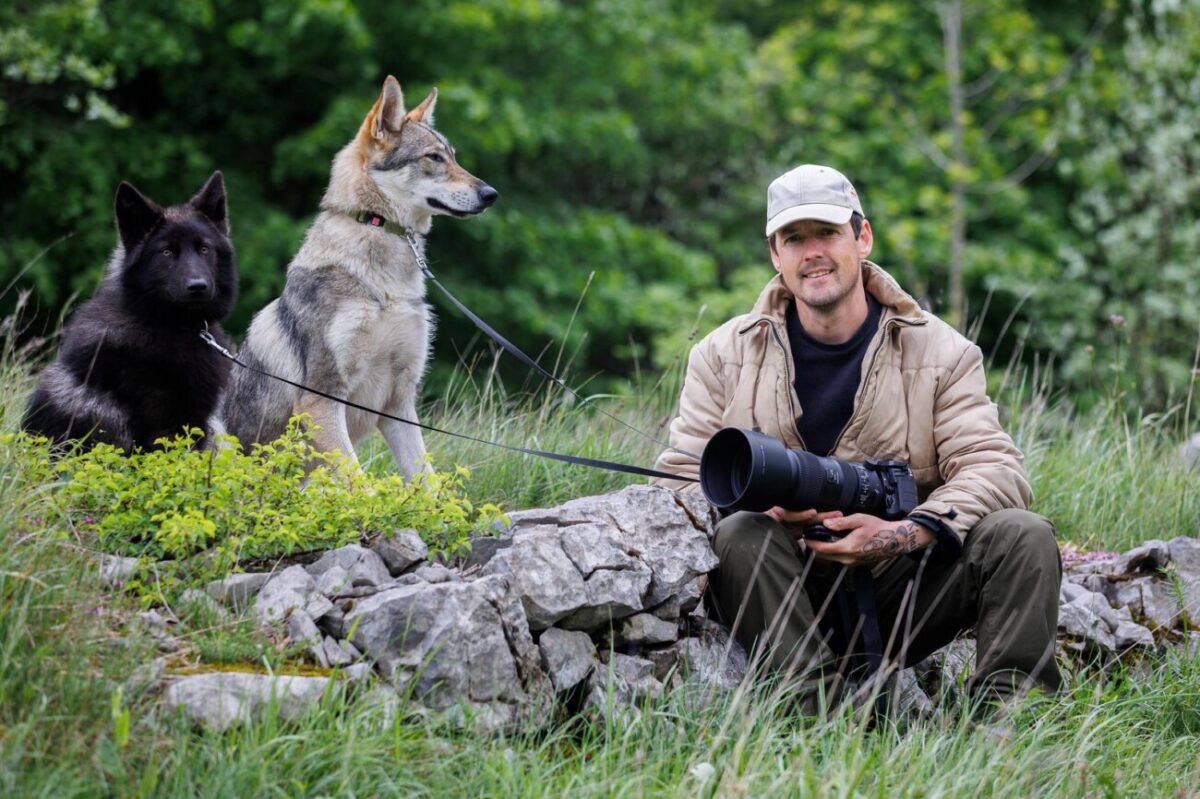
<point x="748" y="470"/>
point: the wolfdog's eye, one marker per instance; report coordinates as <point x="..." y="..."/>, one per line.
<point x="435" y="157"/>
<point x="203" y="250"/>
<point x="167" y="252"/>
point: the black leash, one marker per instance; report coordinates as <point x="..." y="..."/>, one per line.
<point x="377" y="221"/>
<point x="611" y="466"/>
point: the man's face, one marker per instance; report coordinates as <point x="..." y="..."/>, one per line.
<point x="820" y="263"/>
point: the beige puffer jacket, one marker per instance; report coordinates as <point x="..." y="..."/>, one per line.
<point x="922" y="399"/>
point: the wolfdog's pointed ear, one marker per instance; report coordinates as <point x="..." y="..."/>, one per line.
<point x="136" y="214"/>
<point x="387" y="115"/>
<point x="424" y="112"/>
<point x="210" y="201"/>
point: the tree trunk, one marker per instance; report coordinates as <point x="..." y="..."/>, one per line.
<point x="951" y="14"/>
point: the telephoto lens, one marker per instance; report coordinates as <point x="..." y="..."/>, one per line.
<point x="748" y="470"/>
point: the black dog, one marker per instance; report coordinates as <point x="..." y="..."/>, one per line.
<point x="133" y="367"/>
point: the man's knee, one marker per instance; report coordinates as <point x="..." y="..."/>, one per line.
<point x="741" y="538"/>
<point x="1016" y="530"/>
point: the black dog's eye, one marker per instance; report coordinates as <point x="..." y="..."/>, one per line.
<point x="436" y="158"/>
<point x="167" y="252"/>
<point x="203" y="250"/>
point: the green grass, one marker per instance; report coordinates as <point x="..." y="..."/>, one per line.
<point x="72" y="723"/>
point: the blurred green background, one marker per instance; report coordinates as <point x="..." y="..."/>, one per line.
<point x="1039" y="156"/>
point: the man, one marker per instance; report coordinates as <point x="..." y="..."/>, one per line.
<point x="837" y="359"/>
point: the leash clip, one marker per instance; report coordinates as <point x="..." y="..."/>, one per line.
<point x="208" y="339"/>
<point x="412" y="243"/>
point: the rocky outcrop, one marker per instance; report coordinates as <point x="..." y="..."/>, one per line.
<point x="1150" y="593"/>
<point x="595" y="605"/>
<point x="557" y="603"/>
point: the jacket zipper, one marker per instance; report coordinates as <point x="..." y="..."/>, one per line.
<point x="791" y="389"/>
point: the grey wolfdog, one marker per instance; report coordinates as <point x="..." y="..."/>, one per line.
<point x="352" y="320"/>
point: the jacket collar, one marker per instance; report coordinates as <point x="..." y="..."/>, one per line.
<point x="774" y="299"/>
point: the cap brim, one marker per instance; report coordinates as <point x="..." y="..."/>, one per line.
<point x="821" y="212"/>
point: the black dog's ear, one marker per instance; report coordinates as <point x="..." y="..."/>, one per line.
<point x="210" y="201"/>
<point x="136" y="214"/>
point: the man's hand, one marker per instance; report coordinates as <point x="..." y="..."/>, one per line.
<point x="794" y="521"/>
<point x="870" y="539"/>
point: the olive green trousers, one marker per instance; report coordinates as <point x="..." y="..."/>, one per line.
<point x="781" y="603"/>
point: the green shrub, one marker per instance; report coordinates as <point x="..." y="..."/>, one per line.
<point x="192" y="515"/>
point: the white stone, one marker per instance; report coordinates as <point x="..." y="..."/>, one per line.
<point x="568" y="656"/>
<point x="220" y="700"/>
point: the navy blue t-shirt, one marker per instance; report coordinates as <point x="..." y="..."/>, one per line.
<point x="827" y="378"/>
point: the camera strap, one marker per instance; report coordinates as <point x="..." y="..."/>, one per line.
<point x="864" y="597"/>
<point x="855" y="599"/>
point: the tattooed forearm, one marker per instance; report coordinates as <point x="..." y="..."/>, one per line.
<point x="899" y="540"/>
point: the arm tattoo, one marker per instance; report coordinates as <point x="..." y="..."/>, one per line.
<point x="899" y="540"/>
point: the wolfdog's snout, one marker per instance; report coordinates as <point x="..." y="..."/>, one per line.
<point x="487" y="195"/>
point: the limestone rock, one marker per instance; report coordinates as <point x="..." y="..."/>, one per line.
<point x="1097" y="605"/>
<point x="220" y="700"/>
<point x="359" y="672"/>
<point x="597" y="559"/>
<point x="483" y="549"/>
<point x="549" y="585"/>
<point x="339" y="653"/>
<point x="303" y="630"/>
<point x="433" y="573"/>
<point x="1152" y="556"/>
<point x="237" y="590"/>
<point x="568" y="657"/>
<point x="332" y="622"/>
<point x="710" y="660"/>
<point x="669" y="531"/>
<point x="282" y="593"/>
<point x="622" y="684"/>
<point x="1082" y="621"/>
<point x="1185" y="555"/>
<point x="1069" y="592"/>
<point x="945" y="673"/>
<point x="155" y="622"/>
<point x="1158" y="582"/>
<point x="290" y="590"/>
<point x="335" y="581"/>
<point x="455" y="642"/>
<point x="317" y="605"/>
<point x="682" y="603"/>
<point x="194" y="599"/>
<point x="379" y="706"/>
<point x="1129" y="634"/>
<point x="400" y="550"/>
<point x="906" y="697"/>
<point x="614" y="581"/>
<point x="645" y="629"/>
<point x="115" y="570"/>
<point x="364" y="567"/>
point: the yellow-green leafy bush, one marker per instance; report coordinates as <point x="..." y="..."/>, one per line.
<point x="194" y="514"/>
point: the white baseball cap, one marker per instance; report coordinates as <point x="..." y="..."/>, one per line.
<point x="810" y="192"/>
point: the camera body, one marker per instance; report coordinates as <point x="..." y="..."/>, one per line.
<point x="744" y="469"/>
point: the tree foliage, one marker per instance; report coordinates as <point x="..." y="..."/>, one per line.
<point x="631" y="143"/>
<point x="1133" y="155"/>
